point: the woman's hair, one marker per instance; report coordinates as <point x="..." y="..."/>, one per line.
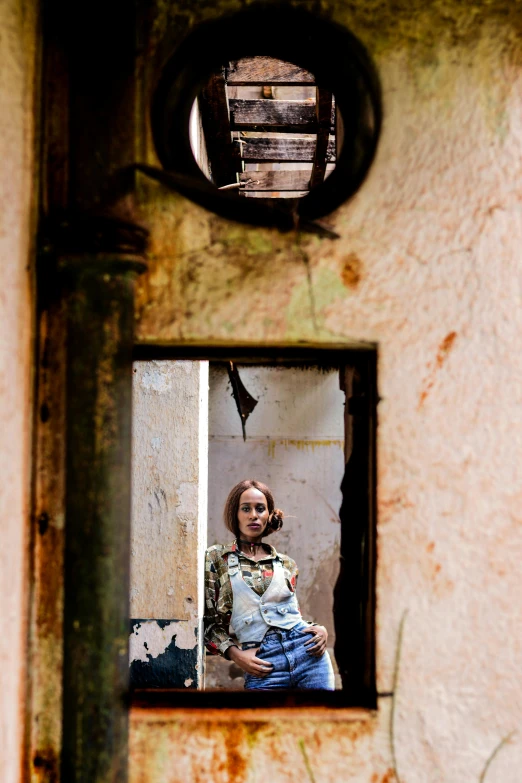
<point x="275" y="518"/>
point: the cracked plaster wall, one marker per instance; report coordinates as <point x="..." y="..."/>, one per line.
<point x="427" y="267"/>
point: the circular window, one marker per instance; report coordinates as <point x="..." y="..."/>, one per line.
<point x="269" y="116"/>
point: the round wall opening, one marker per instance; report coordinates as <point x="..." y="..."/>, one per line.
<point x="268" y="112"/>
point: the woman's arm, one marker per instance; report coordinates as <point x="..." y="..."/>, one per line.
<point x="217" y="638"/>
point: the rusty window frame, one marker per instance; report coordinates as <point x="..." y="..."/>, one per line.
<point x="355" y="592"/>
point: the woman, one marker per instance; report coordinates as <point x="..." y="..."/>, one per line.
<point x="252" y="615"/>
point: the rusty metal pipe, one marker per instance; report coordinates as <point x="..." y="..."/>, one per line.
<point x="100" y="327"/>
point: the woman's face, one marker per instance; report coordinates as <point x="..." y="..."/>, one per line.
<point x="252" y="514"/>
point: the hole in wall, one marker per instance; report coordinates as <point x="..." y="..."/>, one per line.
<point x="268" y="110"/>
<point x="262" y="128"/>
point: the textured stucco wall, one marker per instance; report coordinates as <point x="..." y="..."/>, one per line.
<point x="17" y="62"/>
<point x="169" y="514"/>
<point x="428" y="267"/>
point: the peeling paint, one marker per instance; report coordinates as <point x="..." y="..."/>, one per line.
<point x="150" y="639"/>
<point x="163" y="654"/>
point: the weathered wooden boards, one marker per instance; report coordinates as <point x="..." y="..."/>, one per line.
<point x="249" y="129"/>
<point x="280" y="181"/>
<point x="266" y="70"/>
<point x="277" y="181"/>
<point x="223" y="154"/>
<point x="284" y="116"/>
<point x="289" y="116"/>
<point x="279" y="150"/>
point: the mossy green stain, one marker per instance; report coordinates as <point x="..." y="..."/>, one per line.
<point x="305" y="312"/>
<point x="252" y="242"/>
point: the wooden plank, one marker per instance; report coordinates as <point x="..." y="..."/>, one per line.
<point x="274" y="180"/>
<point x="266" y="70"/>
<point x="323" y="107"/>
<point x="223" y="154"/>
<point x="275" y="150"/>
<point x="289" y="116"/>
<point x="283" y="116"/>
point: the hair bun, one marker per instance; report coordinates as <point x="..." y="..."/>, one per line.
<point x="275" y="521"/>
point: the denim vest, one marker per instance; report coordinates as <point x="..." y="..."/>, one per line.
<point x="253" y="614"/>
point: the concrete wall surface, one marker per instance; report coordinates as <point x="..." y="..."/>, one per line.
<point x="294" y="444"/>
<point x="17" y="68"/>
<point x="428" y="267"/>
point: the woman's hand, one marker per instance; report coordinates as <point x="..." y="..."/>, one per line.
<point x="317" y="644"/>
<point x="246" y="660"/>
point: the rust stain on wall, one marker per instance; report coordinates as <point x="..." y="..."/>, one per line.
<point x="442" y="354"/>
<point x="227" y="750"/>
<point x="388" y="506"/>
<point x="236" y="759"/>
<point x="445" y="347"/>
<point x="388" y="777"/>
<point x="301" y="445"/>
<point x="351" y="272"/>
<point x="434" y="571"/>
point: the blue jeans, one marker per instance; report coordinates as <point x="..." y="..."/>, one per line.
<point x="293" y="666"/>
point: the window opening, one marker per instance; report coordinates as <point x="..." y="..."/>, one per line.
<point x="300" y="437"/>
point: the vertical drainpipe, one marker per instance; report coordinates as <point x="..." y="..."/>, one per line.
<point x="99" y="286"/>
<point x="90" y="121"/>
